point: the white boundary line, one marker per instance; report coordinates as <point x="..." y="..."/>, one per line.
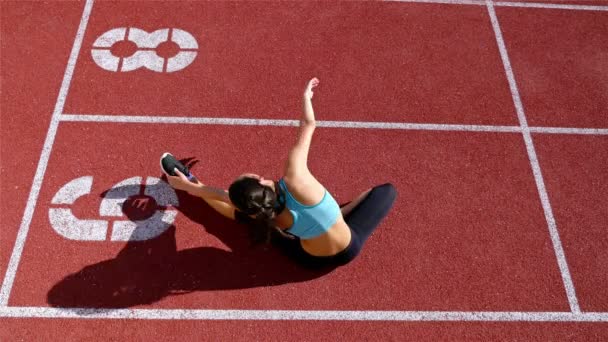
<point x="551" y="6"/>
<point x="275" y="122"/>
<point x="330" y="124"/>
<point x="445" y="2"/>
<point x="295" y="315"/>
<point x="511" y="4"/>
<point x="11" y="270"/>
<point x="538" y="177"/>
<point x="564" y="130"/>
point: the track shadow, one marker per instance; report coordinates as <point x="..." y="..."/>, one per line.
<point x="144" y="272"/>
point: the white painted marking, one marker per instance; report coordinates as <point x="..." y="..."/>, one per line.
<point x="105" y="59"/>
<point x="107" y="39"/>
<point x="293" y="123"/>
<point x="73" y="190"/>
<point x="330" y="124"/>
<point x="63" y="220"/>
<point x="160" y="221"/>
<point x="551" y="6"/>
<point x="564" y="130"/>
<point x="143" y="230"/>
<point x="184" y="39"/>
<point x="445" y="2"/>
<point x="180" y="61"/>
<point x="147" y="59"/>
<point x="144" y="39"/>
<point x="540" y="184"/>
<point x="510" y="4"/>
<point x="417" y="126"/>
<point x="163" y="193"/>
<point x="111" y="204"/>
<point x="11" y="270"/>
<point x="70" y="227"/>
<point x="145" y="56"/>
<point x="291" y="315"/>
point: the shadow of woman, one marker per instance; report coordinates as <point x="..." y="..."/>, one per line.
<point x="144" y="272"/>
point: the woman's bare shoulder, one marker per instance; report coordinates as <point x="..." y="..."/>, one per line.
<point x="305" y="189"/>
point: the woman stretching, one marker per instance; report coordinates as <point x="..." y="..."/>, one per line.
<point x="296" y="213"/>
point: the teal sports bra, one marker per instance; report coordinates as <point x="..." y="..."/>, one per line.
<point x="310" y="221"/>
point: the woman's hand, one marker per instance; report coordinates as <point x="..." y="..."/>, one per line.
<point x="308" y="115"/>
<point x="180" y="182"/>
<point x="308" y="93"/>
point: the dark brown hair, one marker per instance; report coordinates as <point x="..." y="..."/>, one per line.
<point x="260" y="201"/>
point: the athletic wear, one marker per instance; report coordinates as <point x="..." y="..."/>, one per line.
<point x="168" y="163"/>
<point x="310" y="221"/>
<point x="362" y="221"/>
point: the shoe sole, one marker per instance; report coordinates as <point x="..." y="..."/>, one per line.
<point x="188" y="174"/>
<point x="161" y="162"/>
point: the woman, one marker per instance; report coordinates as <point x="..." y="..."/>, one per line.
<point x="297" y="212"/>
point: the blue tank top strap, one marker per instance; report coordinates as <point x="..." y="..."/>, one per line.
<point x="310" y="221"/>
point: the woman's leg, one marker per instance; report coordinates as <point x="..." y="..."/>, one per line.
<point x="373" y="205"/>
<point x="346" y="208"/>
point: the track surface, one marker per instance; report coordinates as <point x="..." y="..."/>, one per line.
<point x="499" y="231"/>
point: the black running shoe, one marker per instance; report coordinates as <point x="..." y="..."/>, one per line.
<point x="168" y="163"/>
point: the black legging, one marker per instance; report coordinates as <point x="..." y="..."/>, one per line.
<point x="362" y="221"/>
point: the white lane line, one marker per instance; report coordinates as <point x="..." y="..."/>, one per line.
<point x="511" y="4"/>
<point x="331" y="124"/>
<point x="564" y="130"/>
<point x="538" y="177"/>
<point x="176" y="120"/>
<point x="417" y="126"/>
<point x="551" y="6"/>
<point x="9" y="278"/>
<point x="446" y="2"/>
<point x="275" y="122"/>
<point x="290" y="315"/>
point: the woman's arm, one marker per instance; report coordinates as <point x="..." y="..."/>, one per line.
<point x="223" y="208"/>
<point x="216" y="198"/>
<point x="297" y="161"/>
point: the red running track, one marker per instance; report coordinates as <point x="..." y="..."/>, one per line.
<point x="468" y="232"/>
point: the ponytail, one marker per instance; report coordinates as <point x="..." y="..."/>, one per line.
<point x="253" y="198"/>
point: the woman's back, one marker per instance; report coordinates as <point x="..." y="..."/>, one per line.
<point x="315" y="216"/>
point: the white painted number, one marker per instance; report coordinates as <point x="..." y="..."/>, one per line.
<point x="145" y="56"/>
<point x="69" y="226"/>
